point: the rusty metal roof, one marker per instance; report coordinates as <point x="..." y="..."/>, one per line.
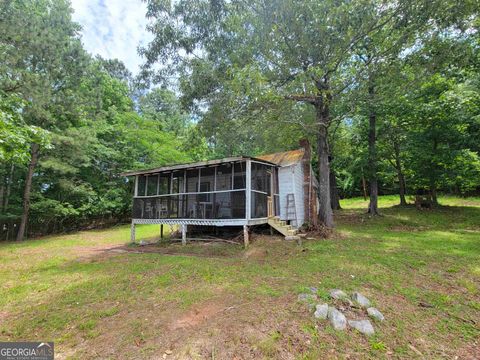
<point x="193" y="165"/>
<point x="285" y="158"/>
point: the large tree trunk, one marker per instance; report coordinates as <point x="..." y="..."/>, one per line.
<point x="433" y="192"/>
<point x="325" y="212"/>
<point x="401" y="177"/>
<point x="26" y="193"/>
<point x="372" y="154"/>
<point x="364" y="187"/>
<point x="334" y="197"/>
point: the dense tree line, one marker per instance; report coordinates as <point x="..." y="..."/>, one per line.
<point x="387" y="92"/>
<point x="69" y="125"/>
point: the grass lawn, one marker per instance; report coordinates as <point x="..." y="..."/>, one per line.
<point x="218" y="301"/>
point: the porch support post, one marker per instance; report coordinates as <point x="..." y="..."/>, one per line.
<point x="248" y="202"/>
<point x="132" y="233"/>
<point x="248" y="190"/>
<point x="184" y="234"/>
<point x="246" y="236"/>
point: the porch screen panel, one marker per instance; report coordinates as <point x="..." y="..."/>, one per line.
<point x="261" y="189"/>
<point x="191" y="206"/>
<point x="207" y="182"/>
<point x="260" y="177"/>
<point x="141" y="185"/>
<point x="224" y="177"/>
<point x="164" y="184"/>
<point x="259" y="205"/>
<point x="137" y="211"/>
<point x="178" y="182"/>
<point x="162" y="211"/>
<point x="238" y="204"/>
<point x="175" y="206"/>
<point x="192" y="180"/>
<point x="144" y="208"/>
<point x="152" y="183"/>
<point x="239" y="177"/>
<point x="229" y="205"/>
<point x="276" y="191"/>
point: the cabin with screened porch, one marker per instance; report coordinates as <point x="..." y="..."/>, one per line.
<point x="276" y="189"/>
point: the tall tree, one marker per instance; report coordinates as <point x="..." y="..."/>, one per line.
<point x="301" y="50"/>
<point x="43" y="69"/>
<point x="163" y="107"/>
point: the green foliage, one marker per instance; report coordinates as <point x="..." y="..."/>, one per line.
<point x="248" y="73"/>
<point x="80" y="111"/>
<point x="15" y="135"/>
<point x="419" y="59"/>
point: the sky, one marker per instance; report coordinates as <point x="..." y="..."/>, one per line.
<point x="113" y="28"/>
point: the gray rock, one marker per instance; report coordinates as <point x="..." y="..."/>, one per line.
<point x="364" y="326"/>
<point x="360" y="300"/>
<point x="338" y="294"/>
<point x="321" y="311"/>
<point x="375" y="314"/>
<point x="337" y="319"/>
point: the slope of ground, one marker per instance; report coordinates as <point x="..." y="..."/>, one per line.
<point x="218" y="301"/>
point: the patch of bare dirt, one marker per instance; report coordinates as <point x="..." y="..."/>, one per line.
<point x="3" y="316"/>
<point x="256" y="253"/>
<point x="205" y="249"/>
<point x="197" y="316"/>
<point x="224" y="327"/>
<point x="469" y="351"/>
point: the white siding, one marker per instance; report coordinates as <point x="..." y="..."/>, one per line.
<point x="290" y="180"/>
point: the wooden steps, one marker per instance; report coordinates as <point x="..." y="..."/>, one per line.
<point x="281" y="226"/>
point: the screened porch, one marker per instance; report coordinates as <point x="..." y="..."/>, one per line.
<point x="243" y="189"/>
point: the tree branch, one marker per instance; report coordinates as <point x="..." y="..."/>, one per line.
<point x="311" y="99"/>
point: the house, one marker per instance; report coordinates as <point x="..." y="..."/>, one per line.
<point x="277" y="189"/>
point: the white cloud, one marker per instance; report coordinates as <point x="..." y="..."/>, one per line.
<point x="113" y="28"/>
